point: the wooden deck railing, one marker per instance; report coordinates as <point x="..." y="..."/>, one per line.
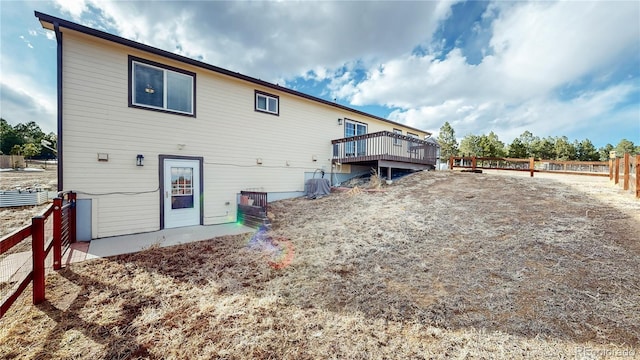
<point x="384" y="145"/>
<point x="627" y="168"/>
<point x="46" y="232"/>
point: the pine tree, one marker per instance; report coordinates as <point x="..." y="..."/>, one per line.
<point x="447" y="141"/>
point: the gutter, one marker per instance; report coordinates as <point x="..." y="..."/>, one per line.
<point x="56" y="29"/>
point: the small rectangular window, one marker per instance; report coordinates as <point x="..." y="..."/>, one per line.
<point x="267" y="103"/>
<point x="158" y="87"/>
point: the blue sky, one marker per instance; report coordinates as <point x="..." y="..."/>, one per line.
<point x="553" y="68"/>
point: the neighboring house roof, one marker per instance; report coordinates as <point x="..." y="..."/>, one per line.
<point x="48" y="19"/>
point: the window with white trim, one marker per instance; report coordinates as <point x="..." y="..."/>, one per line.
<point x="267" y="103"/>
<point x="397" y="141"/>
<point x="162" y="88"/>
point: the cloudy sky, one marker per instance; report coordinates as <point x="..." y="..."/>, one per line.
<point x="553" y="68"/>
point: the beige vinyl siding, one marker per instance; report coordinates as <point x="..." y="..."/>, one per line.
<point x="226" y="131"/>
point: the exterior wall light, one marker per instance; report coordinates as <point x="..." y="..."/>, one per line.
<point x="339" y="121"/>
<point x="140" y="160"/>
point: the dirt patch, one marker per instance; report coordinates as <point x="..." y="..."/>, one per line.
<point x="439" y="265"/>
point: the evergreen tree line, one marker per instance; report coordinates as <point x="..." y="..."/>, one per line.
<point x="25" y="139"/>
<point x="528" y="145"/>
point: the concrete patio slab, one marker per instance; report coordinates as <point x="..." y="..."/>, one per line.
<point x="126" y="244"/>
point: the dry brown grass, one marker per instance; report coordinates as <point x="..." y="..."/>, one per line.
<point x="441" y="265"/>
<point x="374" y="182"/>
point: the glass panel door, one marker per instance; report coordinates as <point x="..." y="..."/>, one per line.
<point x="349" y="131"/>
<point x="181" y="198"/>
<point x="355" y="148"/>
<point x="361" y="145"/>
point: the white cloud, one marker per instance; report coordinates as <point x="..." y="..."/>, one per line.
<point x="272" y="39"/>
<point x="24" y="99"/>
<point x="27" y="42"/>
<point x="543" y="115"/>
<point x="537" y="48"/>
<point x="543" y="45"/>
<point x="75" y="8"/>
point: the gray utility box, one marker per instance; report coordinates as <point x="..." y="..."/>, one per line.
<point x="83" y="220"/>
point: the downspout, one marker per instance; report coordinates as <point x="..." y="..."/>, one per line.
<point x="59" y="120"/>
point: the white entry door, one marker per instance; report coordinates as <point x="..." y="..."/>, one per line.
<point x="181" y="193"/>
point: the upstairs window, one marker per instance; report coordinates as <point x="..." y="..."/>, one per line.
<point x="267" y="103"/>
<point x="162" y="88"/>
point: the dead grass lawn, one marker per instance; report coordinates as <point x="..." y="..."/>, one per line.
<point x="440" y="265"/>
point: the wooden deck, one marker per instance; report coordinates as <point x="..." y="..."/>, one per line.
<point x="386" y="149"/>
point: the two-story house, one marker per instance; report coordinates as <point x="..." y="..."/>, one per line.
<point x="150" y="139"/>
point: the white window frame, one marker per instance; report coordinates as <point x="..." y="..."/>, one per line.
<point x="267" y="97"/>
<point x="359" y="147"/>
<point x="165" y="70"/>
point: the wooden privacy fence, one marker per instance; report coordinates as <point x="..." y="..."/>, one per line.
<point x="594" y="168"/>
<point x="627" y="168"/>
<point x="21" y="264"/>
